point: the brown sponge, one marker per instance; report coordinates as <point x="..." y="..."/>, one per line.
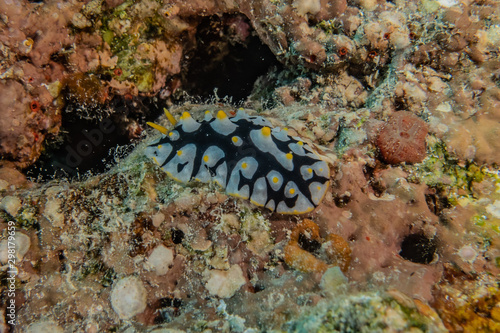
<point x="402" y="139"/>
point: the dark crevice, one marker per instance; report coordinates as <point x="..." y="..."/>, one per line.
<point x="88" y="145"/>
<point x="418" y="248"/>
<point x="308" y="244"/>
<point x="228" y="58"/>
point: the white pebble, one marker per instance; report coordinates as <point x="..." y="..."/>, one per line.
<point x="11" y="205"/>
<point x="160" y="260"/>
<point x="444" y="107"/>
<point x="467" y="253"/>
<point x="22" y="244"/>
<point x="128" y="297"/>
<point x="447" y="3"/>
<point x="158" y="219"/>
<point x="225" y="284"/>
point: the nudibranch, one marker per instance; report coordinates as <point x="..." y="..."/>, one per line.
<point x="246" y="157"/>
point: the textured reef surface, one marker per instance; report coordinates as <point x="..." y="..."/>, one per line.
<point x="399" y="100"/>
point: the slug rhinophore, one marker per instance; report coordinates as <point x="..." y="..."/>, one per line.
<point x="246" y="156"/>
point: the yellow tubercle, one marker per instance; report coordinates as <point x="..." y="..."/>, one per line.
<point x="28" y="42"/>
<point x="275" y="180"/>
<point x="160" y="128"/>
<point x="185" y="115"/>
<point x="244" y="165"/>
<point x="179" y="152"/>
<point x="266" y="131"/>
<point x="292" y="191"/>
<point x="205" y="158"/>
<point x="170" y="117"/>
<point x="159" y="146"/>
<point x="221" y="115"/>
<point x="235" y="139"/>
<point x="289" y="156"/>
<point x="300" y="143"/>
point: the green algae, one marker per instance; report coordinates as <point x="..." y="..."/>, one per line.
<point x="331" y="27"/>
<point x="442" y="170"/>
<point x="27" y="217"/>
<point x="458" y="180"/>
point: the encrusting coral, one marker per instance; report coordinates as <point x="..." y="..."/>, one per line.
<point x="305" y="235"/>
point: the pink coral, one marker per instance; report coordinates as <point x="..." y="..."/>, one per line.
<point x="402" y="139"/>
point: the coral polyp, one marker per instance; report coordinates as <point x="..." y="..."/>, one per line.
<point x="34" y="106"/>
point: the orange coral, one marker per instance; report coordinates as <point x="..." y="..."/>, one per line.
<point x="337" y="250"/>
<point x="35" y="106"/>
<point x="298" y="258"/>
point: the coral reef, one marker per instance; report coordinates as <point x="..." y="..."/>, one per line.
<point x="400" y="98"/>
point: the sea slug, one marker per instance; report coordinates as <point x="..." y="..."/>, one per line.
<point x="247" y="157"/>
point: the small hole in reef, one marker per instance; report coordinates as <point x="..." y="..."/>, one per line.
<point x="309" y="245"/>
<point x="259" y="287"/>
<point x="177" y="235"/>
<point x="437" y="202"/>
<point x="418" y="248"/>
<point x="342" y="200"/>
